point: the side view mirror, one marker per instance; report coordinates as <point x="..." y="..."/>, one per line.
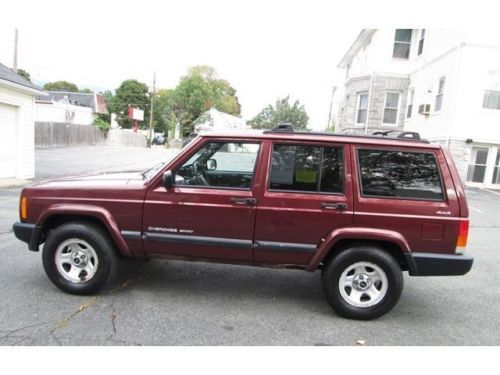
<point x="168" y="179"/>
<point x="211" y="164"/>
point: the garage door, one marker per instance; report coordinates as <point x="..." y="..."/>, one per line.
<point x="7" y="140"/>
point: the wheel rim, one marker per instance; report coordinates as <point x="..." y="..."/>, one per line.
<point x="76" y="260"/>
<point x="363" y="284"/>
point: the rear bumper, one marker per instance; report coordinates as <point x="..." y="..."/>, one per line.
<point x="429" y="264"/>
<point x="28" y="233"/>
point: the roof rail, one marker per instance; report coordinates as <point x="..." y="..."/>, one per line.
<point x="284" y="127"/>
<point x="402" y="134"/>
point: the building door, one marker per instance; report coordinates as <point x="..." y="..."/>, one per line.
<point x="477" y="165"/>
<point x="8" y="123"/>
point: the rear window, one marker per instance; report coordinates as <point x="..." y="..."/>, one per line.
<point x="399" y="174"/>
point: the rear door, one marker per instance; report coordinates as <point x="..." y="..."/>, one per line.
<point x="306" y="194"/>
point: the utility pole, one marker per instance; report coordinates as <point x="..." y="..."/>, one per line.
<point x="14" y="67"/>
<point x="334" y="88"/>
<point x="151" y="111"/>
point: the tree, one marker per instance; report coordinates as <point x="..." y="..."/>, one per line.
<point x="197" y="92"/>
<point x="281" y="112"/>
<point x="134" y="93"/>
<point x="86" y="91"/>
<point x="60" y="86"/>
<point x="24" y="73"/>
<point x="164" y="118"/>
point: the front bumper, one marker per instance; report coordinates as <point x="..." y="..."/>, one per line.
<point x="430" y="264"/>
<point x="28" y="233"/>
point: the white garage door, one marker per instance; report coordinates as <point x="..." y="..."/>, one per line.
<point x="7" y="140"/>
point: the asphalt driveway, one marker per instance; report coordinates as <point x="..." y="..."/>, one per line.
<point x="181" y="303"/>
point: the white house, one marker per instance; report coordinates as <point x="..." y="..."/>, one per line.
<point x="70" y="107"/>
<point x="217" y="120"/>
<point x="17" y="140"/>
<point x="443" y="84"/>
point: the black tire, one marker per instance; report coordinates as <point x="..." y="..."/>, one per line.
<point x="98" y="239"/>
<point x="348" y="257"/>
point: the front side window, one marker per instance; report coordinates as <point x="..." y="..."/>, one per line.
<point x="439" y="96"/>
<point x="220" y="164"/>
<point x="362" y="108"/>
<point x="391" y="108"/>
<point x="492" y="93"/>
<point x="402" y="43"/>
<point x="399" y="174"/>
<point x="307" y="168"/>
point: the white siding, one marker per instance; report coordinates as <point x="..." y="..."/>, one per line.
<point x="56" y="112"/>
<point x="24" y="138"/>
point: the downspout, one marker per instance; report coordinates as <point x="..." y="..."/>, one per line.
<point x="368" y="104"/>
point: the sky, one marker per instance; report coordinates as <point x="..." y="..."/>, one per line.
<point x="265" y="49"/>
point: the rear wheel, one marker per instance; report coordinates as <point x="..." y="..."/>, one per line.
<point x="79" y="258"/>
<point x="362" y="282"/>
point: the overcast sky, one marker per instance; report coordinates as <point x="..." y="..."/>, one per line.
<point x="265" y="49"/>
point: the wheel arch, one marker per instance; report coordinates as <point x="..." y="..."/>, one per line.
<point x="60" y="214"/>
<point x="392" y="242"/>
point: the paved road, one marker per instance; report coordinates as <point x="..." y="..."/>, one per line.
<point x="180" y="303"/>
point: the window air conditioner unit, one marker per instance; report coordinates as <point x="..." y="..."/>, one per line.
<point x="424" y="109"/>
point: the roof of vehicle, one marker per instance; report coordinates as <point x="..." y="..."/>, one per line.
<point x="322" y="137"/>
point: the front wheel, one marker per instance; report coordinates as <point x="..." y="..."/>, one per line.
<point x="362" y="282"/>
<point x="79" y="258"/>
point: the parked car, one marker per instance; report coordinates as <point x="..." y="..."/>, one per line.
<point x="158" y="139"/>
<point x="362" y="209"/>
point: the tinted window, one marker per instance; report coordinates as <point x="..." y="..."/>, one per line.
<point x="412" y="175"/>
<point x="220" y="165"/>
<point x="306" y="168"/>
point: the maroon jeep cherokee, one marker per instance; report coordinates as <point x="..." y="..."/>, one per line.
<point x="360" y="208"/>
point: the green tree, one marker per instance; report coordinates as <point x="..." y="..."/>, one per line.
<point x="197" y="92"/>
<point x="60" y="86"/>
<point x="24" y="73"/>
<point x="134" y="93"/>
<point x="281" y="112"/>
<point x="86" y="91"/>
<point x="163" y="116"/>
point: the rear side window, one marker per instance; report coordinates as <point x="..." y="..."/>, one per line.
<point x="410" y="175"/>
<point x="307" y="168"/>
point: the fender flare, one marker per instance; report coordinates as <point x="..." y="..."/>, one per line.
<point x="100" y="213"/>
<point x="336" y="235"/>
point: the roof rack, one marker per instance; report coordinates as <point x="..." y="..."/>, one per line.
<point x="402" y="135"/>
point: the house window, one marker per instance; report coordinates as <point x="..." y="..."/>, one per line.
<point x="492" y="93"/>
<point x="362" y="106"/>
<point x="439" y="96"/>
<point x="477" y="164"/>
<point x="411" y="94"/>
<point x="391" y="108"/>
<point x="421" y="42"/>
<point x="402" y="42"/>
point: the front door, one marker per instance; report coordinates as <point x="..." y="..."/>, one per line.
<point x="306" y="195"/>
<point x="210" y="210"/>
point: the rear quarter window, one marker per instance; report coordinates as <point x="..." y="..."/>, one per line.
<point x="399" y="174"/>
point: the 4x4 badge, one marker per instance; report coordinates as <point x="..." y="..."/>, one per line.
<point x="443" y="212"/>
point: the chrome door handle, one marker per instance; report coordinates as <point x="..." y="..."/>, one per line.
<point x="333" y="206"/>
<point x="244" y="201"/>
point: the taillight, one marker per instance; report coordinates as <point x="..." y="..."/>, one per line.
<point x="24" y="208"/>
<point x="463" y="233"/>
